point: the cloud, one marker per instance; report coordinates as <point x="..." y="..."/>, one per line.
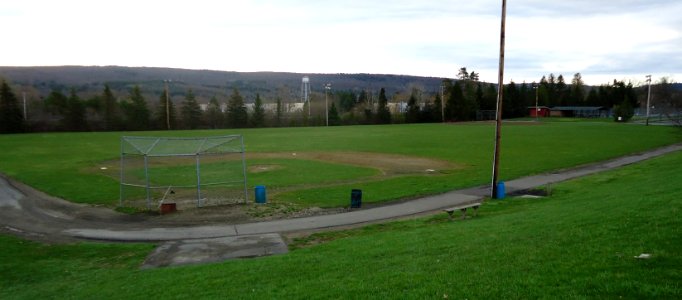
<point x="628" y="38"/>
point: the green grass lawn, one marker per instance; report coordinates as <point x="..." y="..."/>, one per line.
<point x="61" y="164"/>
<point x="578" y="243"/>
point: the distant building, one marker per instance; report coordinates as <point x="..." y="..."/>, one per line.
<point x="204" y="107"/>
<point x="579" y="111"/>
<point x="272" y="107"/>
<point x="540" y="111"/>
<point x="397" y="107"/>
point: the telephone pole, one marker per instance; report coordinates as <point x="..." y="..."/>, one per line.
<point x="500" y="92"/>
<point x="327" y="87"/>
<point x="167" y="104"/>
<point x="648" y="98"/>
<point x="442" y="102"/>
<point x="25" y="115"/>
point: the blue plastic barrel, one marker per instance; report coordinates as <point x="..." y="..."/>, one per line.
<point x="355" y="198"/>
<point x="500" y="190"/>
<point x="260" y="194"/>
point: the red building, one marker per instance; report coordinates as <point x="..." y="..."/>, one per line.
<point x="540" y="111"/>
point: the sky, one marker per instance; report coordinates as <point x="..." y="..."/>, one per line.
<point x="601" y="39"/>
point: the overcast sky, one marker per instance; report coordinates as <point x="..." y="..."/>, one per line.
<point x="602" y="39"/>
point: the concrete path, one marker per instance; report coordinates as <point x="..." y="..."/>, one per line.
<point x="25" y="211"/>
<point x="196" y="251"/>
<point x="405" y="209"/>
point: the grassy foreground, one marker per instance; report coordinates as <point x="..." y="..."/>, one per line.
<point x="68" y="165"/>
<point x="578" y="243"/>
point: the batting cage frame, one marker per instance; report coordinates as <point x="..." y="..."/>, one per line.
<point x="170" y="169"/>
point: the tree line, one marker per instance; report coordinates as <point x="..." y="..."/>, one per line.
<point x="462" y="99"/>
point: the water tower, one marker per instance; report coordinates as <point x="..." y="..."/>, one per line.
<point x="305" y="92"/>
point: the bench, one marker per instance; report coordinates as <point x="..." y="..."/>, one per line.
<point x="463" y="208"/>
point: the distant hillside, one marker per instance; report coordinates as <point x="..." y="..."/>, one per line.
<point x="88" y="80"/>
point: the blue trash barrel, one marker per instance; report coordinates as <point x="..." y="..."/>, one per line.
<point x="355" y="198"/>
<point x="260" y="194"/>
<point x="500" y="190"/>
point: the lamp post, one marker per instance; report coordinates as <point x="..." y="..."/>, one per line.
<point x="648" y="98"/>
<point x="327" y="87"/>
<point x="165" y="82"/>
<point x="25" y="115"/>
<point x="442" y="103"/>
<point x="537" y="109"/>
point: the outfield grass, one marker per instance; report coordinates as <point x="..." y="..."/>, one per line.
<point x="61" y="164"/>
<point x="578" y="243"/>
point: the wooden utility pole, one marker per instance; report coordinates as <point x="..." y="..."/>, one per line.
<point x="26" y="116"/>
<point x="648" y="99"/>
<point x="167" y="105"/>
<point x="442" y="102"/>
<point x="500" y="92"/>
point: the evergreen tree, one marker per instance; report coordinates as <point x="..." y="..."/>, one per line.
<point x="561" y="91"/>
<point x="237" y="117"/>
<point x="11" y="118"/>
<point x="463" y="74"/>
<point x="479" y="96"/>
<point x="552" y="98"/>
<point x="363" y="98"/>
<point x="412" y="114"/>
<point x="511" y="101"/>
<point x="258" y="118"/>
<point x="455" y="106"/>
<point x="346" y="101"/>
<point x="190" y="111"/>
<point x="383" y="114"/>
<point x="489" y="101"/>
<point x="439" y="109"/>
<point x="577" y="90"/>
<point x="112" y="116"/>
<point x="165" y="116"/>
<point x="214" y="115"/>
<point x="604" y="97"/>
<point x="56" y="103"/>
<point x="525" y="96"/>
<point x="137" y="113"/>
<point x="279" y="112"/>
<point x="543" y="92"/>
<point x="427" y="113"/>
<point x="74" y="120"/>
<point x="449" y="99"/>
<point x="465" y="108"/>
<point x="334" y="119"/>
<point x="592" y="98"/>
<point x="473" y="76"/>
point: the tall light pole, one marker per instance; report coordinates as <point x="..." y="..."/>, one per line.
<point x="648" y="98"/>
<point x="25" y="115"/>
<point x="165" y="82"/>
<point x="442" y="102"/>
<point x="537" y="110"/>
<point x="500" y="92"/>
<point x="327" y="87"/>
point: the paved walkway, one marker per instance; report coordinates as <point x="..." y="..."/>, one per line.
<point x="405" y="209"/>
<point x="25" y="211"/>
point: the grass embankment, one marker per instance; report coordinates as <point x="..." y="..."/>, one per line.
<point x="578" y="243"/>
<point x="67" y="164"/>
